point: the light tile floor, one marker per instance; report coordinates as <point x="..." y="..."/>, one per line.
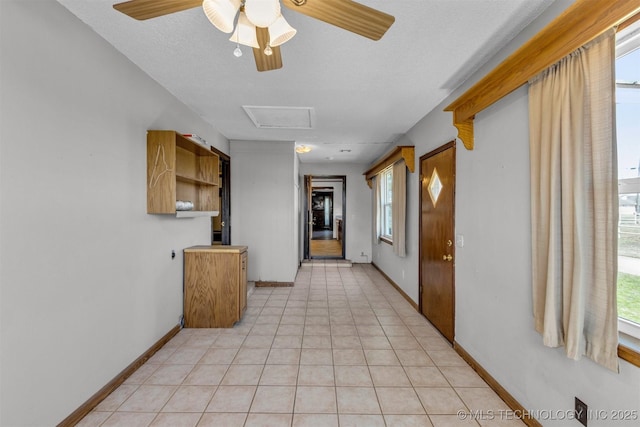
<point x="340" y="348"/>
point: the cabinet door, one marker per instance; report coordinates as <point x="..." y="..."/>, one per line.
<point x="242" y="286"/>
<point x="199" y="291"/>
<point x="211" y="290"/>
<point x="161" y="177"/>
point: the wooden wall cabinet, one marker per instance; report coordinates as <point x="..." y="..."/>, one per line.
<point x="179" y="169"/>
<point x="215" y="286"/>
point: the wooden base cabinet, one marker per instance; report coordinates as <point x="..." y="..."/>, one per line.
<point x="215" y="286"/>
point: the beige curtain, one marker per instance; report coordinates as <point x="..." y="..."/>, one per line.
<point x="574" y="203"/>
<point x="399" y="208"/>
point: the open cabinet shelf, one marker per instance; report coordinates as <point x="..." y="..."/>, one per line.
<point x="192" y="180"/>
<point x="179" y="169"/>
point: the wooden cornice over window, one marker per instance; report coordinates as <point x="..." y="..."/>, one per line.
<point x="406" y="152"/>
<point x="583" y="21"/>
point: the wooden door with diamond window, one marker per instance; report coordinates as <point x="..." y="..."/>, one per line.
<point x="437" y="195"/>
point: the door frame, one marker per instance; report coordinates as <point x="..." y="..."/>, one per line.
<point x="448" y="145"/>
<point x="308" y="188"/>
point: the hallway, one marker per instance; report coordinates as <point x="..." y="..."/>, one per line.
<point x="325" y="248"/>
<point x="340" y="348"/>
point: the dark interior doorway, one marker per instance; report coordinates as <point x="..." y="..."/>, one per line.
<point x="221" y="224"/>
<point x="322" y="209"/>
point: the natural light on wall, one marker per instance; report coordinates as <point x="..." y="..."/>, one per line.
<point x="628" y="140"/>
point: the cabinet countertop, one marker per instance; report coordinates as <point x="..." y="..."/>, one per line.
<point x="217" y="249"/>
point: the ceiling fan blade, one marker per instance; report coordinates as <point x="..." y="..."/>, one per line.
<point x="266" y="62"/>
<point x="346" y="14"/>
<point x="146" y="9"/>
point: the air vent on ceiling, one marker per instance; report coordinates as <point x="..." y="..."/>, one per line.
<point x="280" y="117"/>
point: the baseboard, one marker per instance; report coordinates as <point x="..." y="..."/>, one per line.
<point x="404" y="295"/>
<point x="274" y="284"/>
<point x="495" y="385"/>
<point x="95" y="400"/>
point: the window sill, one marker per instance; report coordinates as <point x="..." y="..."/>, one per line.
<point x="629" y="349"/>
<point x="387" y="240"/>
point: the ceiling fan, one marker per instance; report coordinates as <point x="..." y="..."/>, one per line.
<point x="259" y="23"/>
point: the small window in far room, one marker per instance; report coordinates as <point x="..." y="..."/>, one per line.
<point x="628" y="143"/>
<point x="386" y="199"/>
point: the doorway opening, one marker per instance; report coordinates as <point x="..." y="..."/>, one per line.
<point x="221" y="224"/>
<point x="325" y="208"/>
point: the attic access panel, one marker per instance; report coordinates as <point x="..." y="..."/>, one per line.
<point x="268" y="117"/>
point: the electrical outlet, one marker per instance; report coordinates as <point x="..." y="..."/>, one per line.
<point x="581" y="412"/>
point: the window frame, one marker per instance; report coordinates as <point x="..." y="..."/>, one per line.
<point x="386" y="190"/>
<point x="629" y="331"/>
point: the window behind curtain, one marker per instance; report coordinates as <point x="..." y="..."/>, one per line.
<point x="628" y="141"/>
<point x="386" y="199"/>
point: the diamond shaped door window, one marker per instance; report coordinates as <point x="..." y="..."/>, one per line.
<point x="435" y="187"/>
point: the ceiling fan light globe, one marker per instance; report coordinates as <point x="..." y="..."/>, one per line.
<point x="221" y="13"/>
<point x="280" y="32"/>
<point x="262" y="13"/>
<point x="245" y="33"/>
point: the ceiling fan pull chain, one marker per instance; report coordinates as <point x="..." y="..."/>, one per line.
<point x="237" y="52"/>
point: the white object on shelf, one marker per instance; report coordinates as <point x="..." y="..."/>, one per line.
<point x="184" y="205"/>
<point x="196" y="138"/>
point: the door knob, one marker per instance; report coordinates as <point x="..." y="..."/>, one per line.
<point x="447" y="257"/>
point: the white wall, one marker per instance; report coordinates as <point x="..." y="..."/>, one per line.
<point x="87" y="281"/>
<point x="494" y="321"/>
<point x="357" y="209"/>
<point x="264" y="209"/>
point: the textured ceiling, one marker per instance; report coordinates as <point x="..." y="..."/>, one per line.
<point x="364" y="94"/>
